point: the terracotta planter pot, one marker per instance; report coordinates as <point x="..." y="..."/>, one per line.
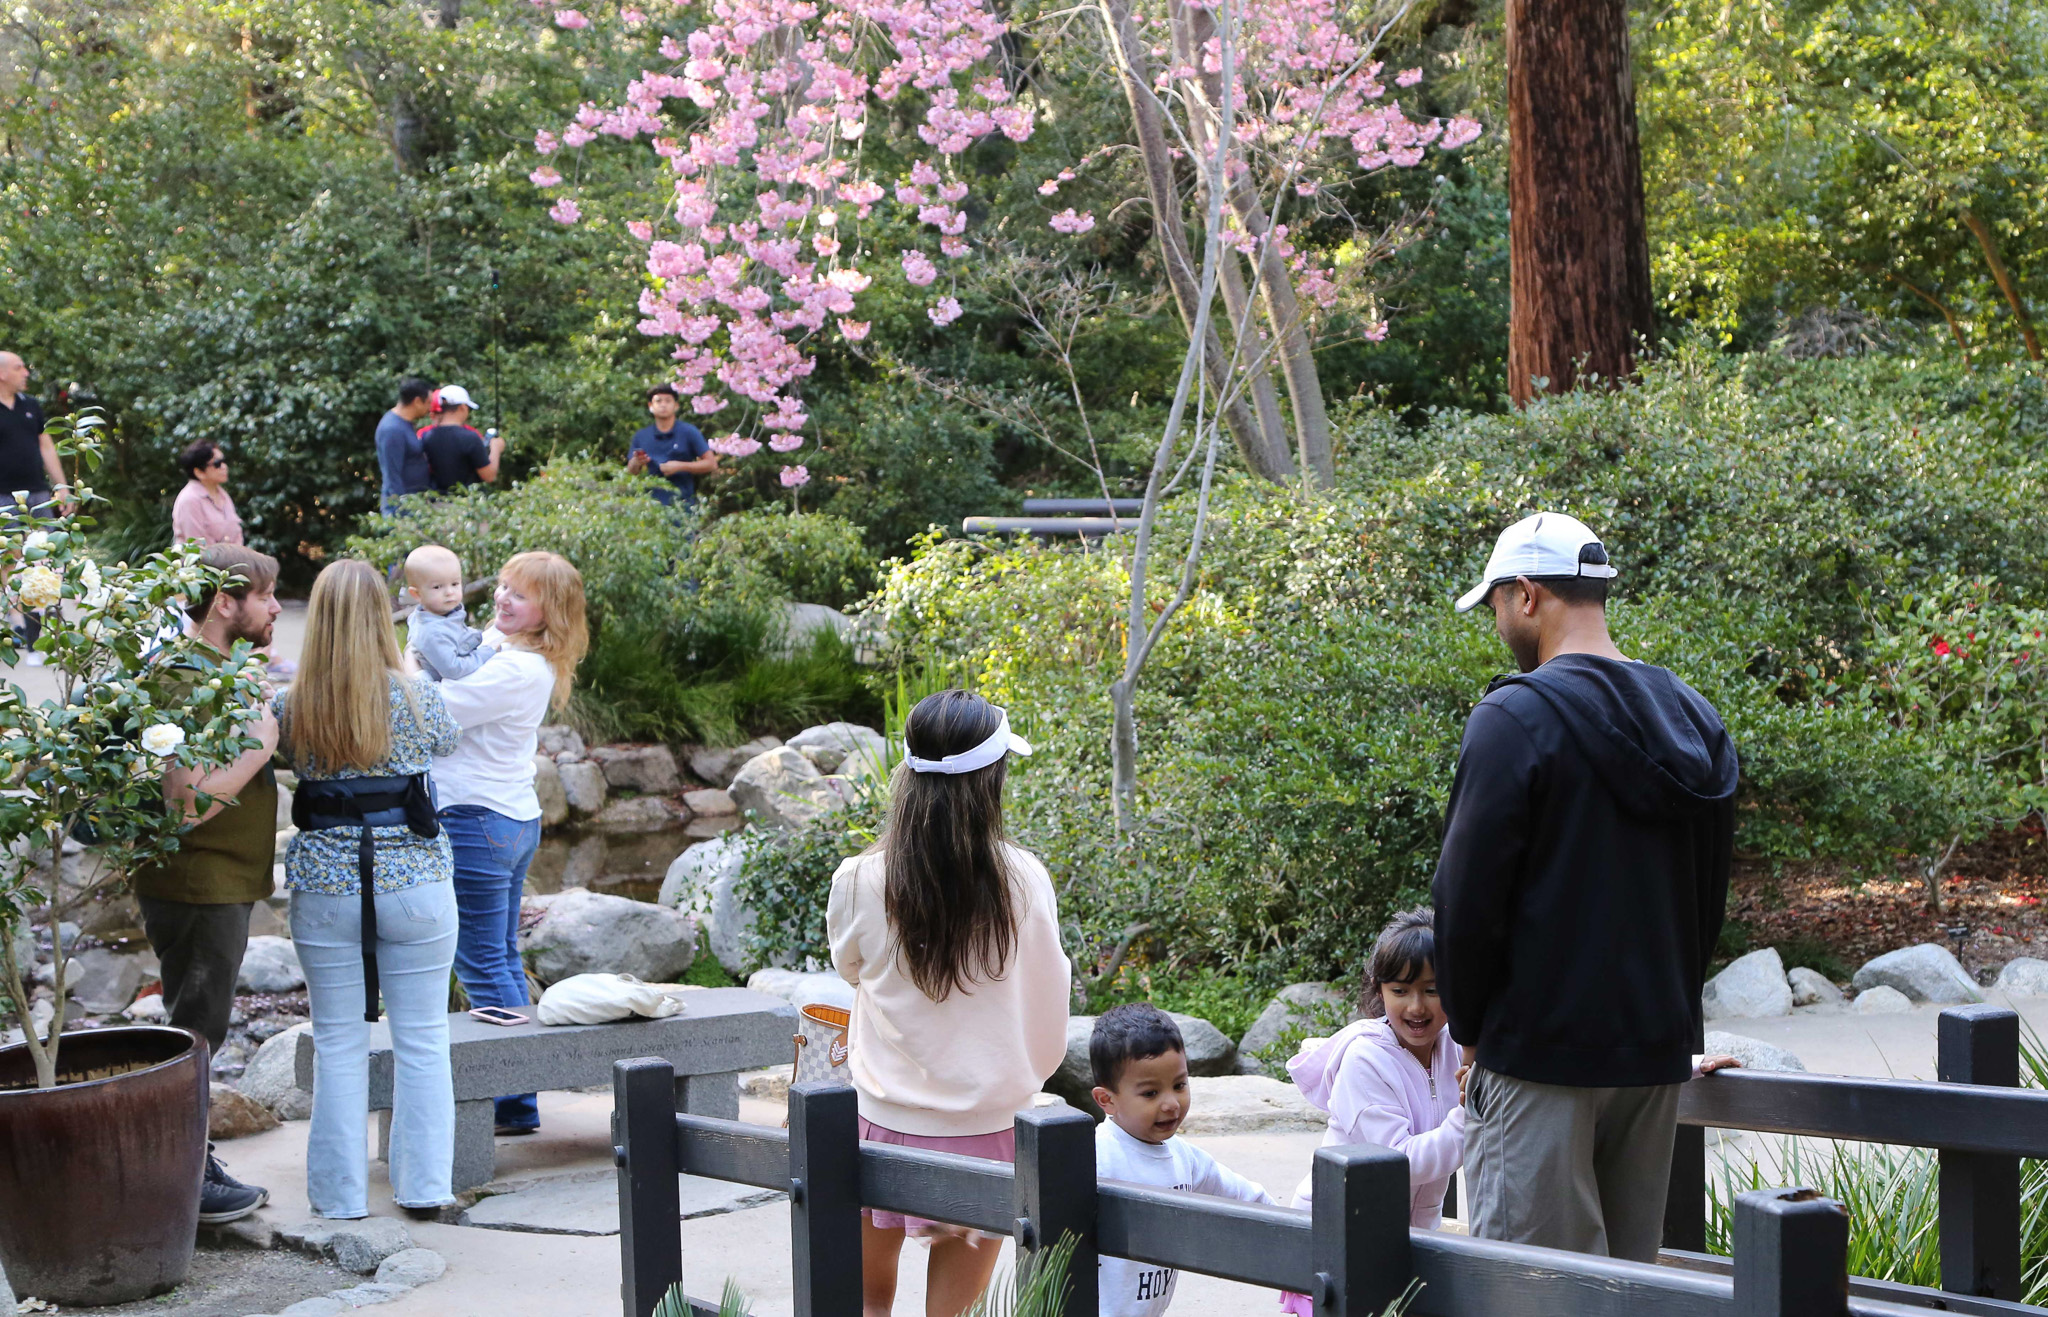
<point x="100" y="1176"/>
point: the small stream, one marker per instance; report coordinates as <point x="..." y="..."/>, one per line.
<point x="628" y="864"/>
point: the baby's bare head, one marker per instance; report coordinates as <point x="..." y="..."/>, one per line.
<point x="434" y="577"/>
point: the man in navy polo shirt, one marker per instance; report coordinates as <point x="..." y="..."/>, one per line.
<point x="675" y="449"/>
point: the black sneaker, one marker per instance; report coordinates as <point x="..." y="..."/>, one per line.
<point x="223" y="1198"/>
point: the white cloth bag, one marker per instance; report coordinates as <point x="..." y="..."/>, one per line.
<point x="602" y="998"/>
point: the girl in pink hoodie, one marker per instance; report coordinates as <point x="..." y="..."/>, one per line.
<point x="1391" y="1078"/>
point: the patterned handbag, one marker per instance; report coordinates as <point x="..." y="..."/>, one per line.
<point x="821" y="1045"/>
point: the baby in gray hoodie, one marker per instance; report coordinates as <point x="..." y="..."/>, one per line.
<point x="439" y="632"/>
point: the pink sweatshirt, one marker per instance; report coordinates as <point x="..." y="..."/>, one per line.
<point x="1376" y="1092"/>
<point x="968" y="1064"/>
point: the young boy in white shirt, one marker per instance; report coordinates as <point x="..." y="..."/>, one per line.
<point x="1141" y="1082"/>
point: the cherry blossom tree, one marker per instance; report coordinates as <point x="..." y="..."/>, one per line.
<point x="762" y="245"/>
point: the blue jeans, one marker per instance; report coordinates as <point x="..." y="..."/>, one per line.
<point x="415" y="945"/>
<point x="491" y="855"/>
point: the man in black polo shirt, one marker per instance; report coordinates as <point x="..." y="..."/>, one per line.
<point x="28" y="467"/>
<point x="456" y="453"/>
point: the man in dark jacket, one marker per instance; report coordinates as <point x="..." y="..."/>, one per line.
<point x="1579" y="895"/>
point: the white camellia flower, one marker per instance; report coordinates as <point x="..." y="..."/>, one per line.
<point x="40" y="587"/>
<point x="36" y="539"/>
<point x="90" y="574"/>
<point x="162" y="739"/>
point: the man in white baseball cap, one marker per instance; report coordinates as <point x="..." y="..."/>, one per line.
<point x="1587" y="843"/>
<point x="456" y="453"/>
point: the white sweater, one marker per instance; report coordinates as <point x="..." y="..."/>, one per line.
<point x="499" y="708"/>
<point x="968" y="1064"/>
<point x="1142" y="1289"/>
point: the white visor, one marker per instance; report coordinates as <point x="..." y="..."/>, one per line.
<point x="1001" y="742"/>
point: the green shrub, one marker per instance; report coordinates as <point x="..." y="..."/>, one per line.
<point x="786" y="879"/>
<point x="810" y="557"/>
<point x="1299" y="723"/>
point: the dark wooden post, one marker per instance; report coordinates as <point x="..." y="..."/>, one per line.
<point x="1056" y="1195"/>
<point x="1980" y="1194"/>
<point x="1791" y="1255"/>
<point x="650" y="1199"/>
<point x="1685" y="1200"/>
<point x="824" y="1199"/>
<point x="1361" y="1230"/>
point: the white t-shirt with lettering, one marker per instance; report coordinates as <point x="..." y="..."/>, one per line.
<point x="1143" y="1289"/>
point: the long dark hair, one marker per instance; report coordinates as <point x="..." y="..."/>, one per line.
<point x="1406" y="948"/>
<point x="946" y="888"/>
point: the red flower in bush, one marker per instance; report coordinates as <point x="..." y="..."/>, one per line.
<point x="1939" y="646"/>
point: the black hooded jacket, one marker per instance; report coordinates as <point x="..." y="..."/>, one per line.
<point x="1584" y="873"/>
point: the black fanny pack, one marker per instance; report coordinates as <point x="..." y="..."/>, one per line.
<point x="364" y="803"/>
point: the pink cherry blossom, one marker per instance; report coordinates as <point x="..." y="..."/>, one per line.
<point x="565" y="211"/>
<point x="572" y="19"/>
<point x="786" y="443"/>
<point x="545" y="176"/>
<point x="853" y="331"/>
<point x="953" y="248"/>
<point x="1408" y="77"/>
<point x="918" y="268"/>
<point x="1067" y="221"/>
<point x="546" y="142"/>
<point x="706" y="403"/>
<point x="793" y="476"/>
<point x="632" y="18"/>
<point x="945" y="312"/>
<point x="640" y="229"/>
<point x="1376" y="332"/>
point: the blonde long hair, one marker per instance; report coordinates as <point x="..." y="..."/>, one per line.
<point x="564" y="634"/>
<point x="338" y="713"/>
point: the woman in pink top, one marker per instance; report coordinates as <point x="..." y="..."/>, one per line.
<point x="951" y="938"/>
<point x="204" y="512"/>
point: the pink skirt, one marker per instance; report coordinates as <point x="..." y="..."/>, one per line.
<point x="1000" y="1146"/>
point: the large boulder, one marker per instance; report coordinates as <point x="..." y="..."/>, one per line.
<point x="1248" y="1104"/>
<point x="583" y="786"/>
<point x="718" y="765"/>
<point x="557" y="739"/>
<point x="648" y="769"/>
<point x="1315" y="1007"/>
<point x="585" y="932"/>
<point x="802" y="621"/>
<point x="271" y="964"/>
<point x="785" y="790"/>
<point x="1812" y="988"/>
<point x="801" y="990"/>
<point x="1882" y="1000"/>
<point x="109" y="980"/>
<point x="704" y="880"/>
<point x="1753" y="1054"/>
<point x="272" y="1076"/>
<point x="847" y="748"/>
<point x="547" y="784"/>
<point x="709" y="802"/>
<point x="2024" y="978"/>
<point x="1752" y="987"/>
<point x="1210" y="1053"/>
<point x="639" y="814"/>
<point x="1927" y="972"/>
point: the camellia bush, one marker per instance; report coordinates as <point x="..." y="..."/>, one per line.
<point x="136" y="697"/>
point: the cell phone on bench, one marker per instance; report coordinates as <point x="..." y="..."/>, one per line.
<point x="496" y="1015"/>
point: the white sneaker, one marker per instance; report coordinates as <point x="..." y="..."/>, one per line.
<point x="34" y="659"/>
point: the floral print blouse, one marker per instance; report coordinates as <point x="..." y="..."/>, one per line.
<point x="324" y="860"/>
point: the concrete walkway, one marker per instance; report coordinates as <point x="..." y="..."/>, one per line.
<point x="552" y="1275"/>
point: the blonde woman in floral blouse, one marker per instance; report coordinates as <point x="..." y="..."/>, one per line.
<point x="360" y="731"/>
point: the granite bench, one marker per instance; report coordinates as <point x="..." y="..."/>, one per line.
<point x="721" y="1032"/>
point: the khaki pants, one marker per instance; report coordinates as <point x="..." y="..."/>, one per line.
<point x="1581" y="1169"/>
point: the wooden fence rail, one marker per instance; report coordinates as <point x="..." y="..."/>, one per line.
<point x="1352" y="1255"/>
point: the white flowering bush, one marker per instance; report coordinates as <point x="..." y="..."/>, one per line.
<point x="135" y="697"/>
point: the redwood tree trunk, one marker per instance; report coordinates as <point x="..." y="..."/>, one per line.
<point x="1579" y="253"/>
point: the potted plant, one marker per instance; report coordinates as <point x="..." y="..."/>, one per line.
<point x="102" y="1132"/>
